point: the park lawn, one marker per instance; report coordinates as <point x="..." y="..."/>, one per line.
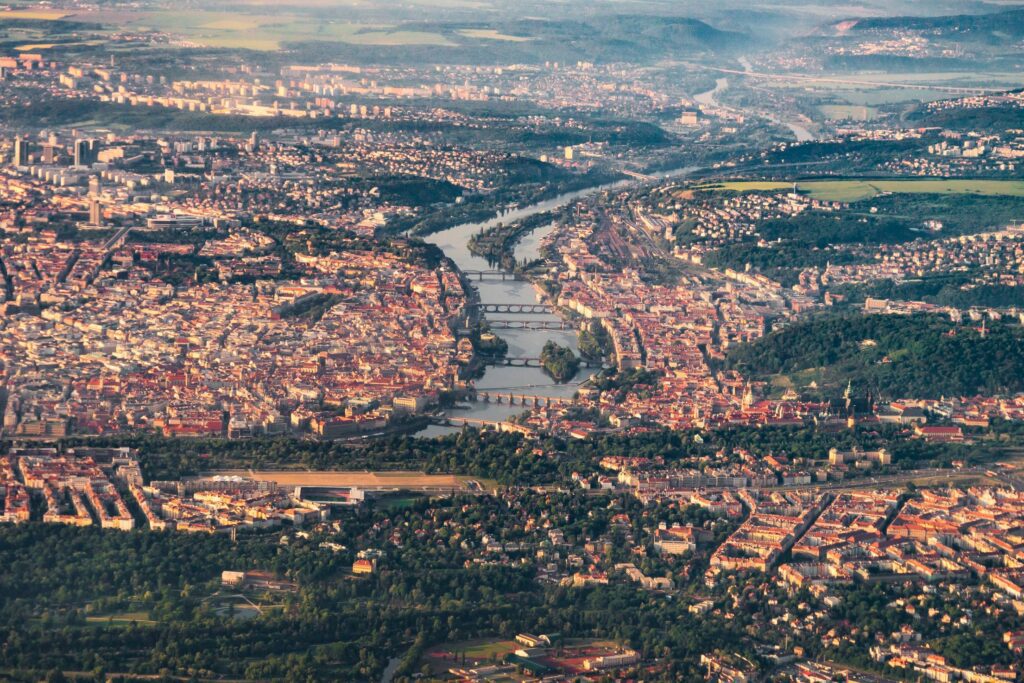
<point x="801" y="381"/>
<point x="120" y="619"/>
<point x="479" y="649"/>
<point x="780" y="384"/>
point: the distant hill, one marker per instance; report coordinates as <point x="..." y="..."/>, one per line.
<point x="996" y="27"/>
<point x="983" y="119"/>
<point x="614" y="38"/>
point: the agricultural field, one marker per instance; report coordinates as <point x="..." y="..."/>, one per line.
<point x="492" y="34"/>
<point x="36" y="15"/>
<point x="30" y="34"/>
<point x="840" y="112"/>
<point x="34" y="47"/>
<point x="263" y="32"/>
<point x="856" y="190"/>
<point x="873" y="89"/>
<point x="874" y="97"/>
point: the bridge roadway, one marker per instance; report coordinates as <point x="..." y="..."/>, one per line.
<point x="501" y="426"/>
<point x="636" y="175"/>
<point x="490" y="275"/>
<point x="531" y="325"/>
<point x="525" y="309"/>
<point x="524" y="362"/>
<point x="118" y="239"/>
<point x="521" y="399"/>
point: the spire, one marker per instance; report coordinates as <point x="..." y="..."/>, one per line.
<point x="748" y="396"/>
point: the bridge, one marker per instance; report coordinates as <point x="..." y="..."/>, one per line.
<point x="521" y="362"/>
<point x="521" y="399"/>
<point x="450" y="421"/>
<point x="118" y="239"/>
<point x="531" y="325"/>
<point x="637" y="175"/>
<point x="525" y="309"/>
<point x="490" y="275"/>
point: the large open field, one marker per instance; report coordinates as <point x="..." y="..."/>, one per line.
<point x="366" y="480"/>
<point x="37" y="15"/>
<point x="492" y="34"/>
<point x="854" y="190"/>
<point x="257" y="31"/>
<point x="848" y="111"/>
<point x="872" y="89"/>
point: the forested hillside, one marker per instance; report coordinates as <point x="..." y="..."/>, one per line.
<point x="924" y="356"/>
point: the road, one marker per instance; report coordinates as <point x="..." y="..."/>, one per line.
<point x="854" y="81"/>
<point x="390" y="669"/>
<point x="888" y="481"/>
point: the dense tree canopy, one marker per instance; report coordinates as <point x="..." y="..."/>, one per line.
<point x="922" y="356"/>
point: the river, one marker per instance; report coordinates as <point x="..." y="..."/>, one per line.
<point x="454" y="242"/>
<point x="796" y="126"/>
<point x="708" y="98"/>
